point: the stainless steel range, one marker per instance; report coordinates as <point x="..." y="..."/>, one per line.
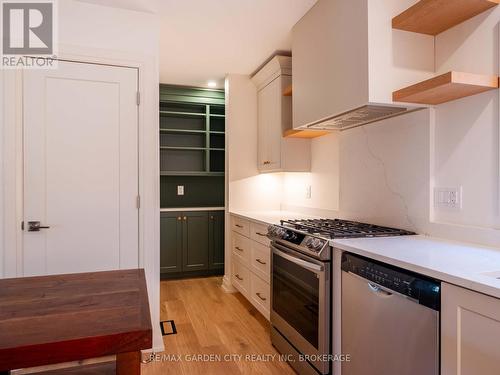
<point x="301" y="286"/>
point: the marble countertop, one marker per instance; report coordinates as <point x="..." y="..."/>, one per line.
<point x="470" y="266"/>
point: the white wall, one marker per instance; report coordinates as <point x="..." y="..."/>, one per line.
<point x="2" y="207"/>
<point x="467" y="131"/>
<point x="323" y="178"/>
<point x="89" y="32"/>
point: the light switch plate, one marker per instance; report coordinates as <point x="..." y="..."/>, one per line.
<point x="180" y="189"/>
<point x="448" y="198"/>
<point x="308" y="192"/>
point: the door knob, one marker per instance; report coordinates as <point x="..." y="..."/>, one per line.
<point x="35" y="226"/>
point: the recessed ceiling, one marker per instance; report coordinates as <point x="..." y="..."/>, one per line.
<point x="203" y="40"/>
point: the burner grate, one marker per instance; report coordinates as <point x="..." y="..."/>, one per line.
<point x="337" y="228"/>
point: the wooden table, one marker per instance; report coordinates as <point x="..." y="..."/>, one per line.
<point x="53" y="319"/>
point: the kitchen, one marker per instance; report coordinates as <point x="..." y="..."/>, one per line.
<point x="335" y="114"/>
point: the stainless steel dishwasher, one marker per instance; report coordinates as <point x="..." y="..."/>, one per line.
<point x="390" y="319"/>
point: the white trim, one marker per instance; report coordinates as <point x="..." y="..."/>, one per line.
<point x="148" y="173"/>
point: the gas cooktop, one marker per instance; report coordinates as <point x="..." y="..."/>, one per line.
<point x="312" y="236"/>
<point x="337" y="228"/>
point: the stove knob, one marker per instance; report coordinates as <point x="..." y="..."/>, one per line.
<point x="317" y="244"/>
<point x="309" y="241"/>
<point x="280" y="232"/>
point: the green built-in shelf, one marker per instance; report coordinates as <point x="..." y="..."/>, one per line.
<point x="192" y="131"/>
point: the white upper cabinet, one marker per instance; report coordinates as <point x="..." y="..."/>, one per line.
<point x="346" y="55"/>
<point x="470" y="332"/>
<point x="275" y="153"/>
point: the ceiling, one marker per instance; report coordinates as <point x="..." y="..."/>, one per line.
<point x="204" y="40"/>
<point x="147" y="6"/>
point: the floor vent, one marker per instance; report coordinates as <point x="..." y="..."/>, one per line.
<point x="171" y="328"/>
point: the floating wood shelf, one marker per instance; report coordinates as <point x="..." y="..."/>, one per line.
<point x="432" y="17"/>
<point x="295" y="133"/>
<point x="288" y="90"/>
<point x="445" y="88"/>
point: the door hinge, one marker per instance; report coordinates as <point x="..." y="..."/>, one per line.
<point x="138" y="201"/>
<point x="138" y="98"/>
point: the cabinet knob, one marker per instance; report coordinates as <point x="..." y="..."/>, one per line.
<point x="185" y="218"/>
<point x="211" y="217"/>
<point x="179" y="218"/>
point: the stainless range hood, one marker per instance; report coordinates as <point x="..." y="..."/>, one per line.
<point x="360" y="116"/>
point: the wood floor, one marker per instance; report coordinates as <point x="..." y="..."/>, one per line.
<point x="215" y="324"/>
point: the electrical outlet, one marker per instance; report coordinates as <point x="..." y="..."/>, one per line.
<point x="308" y="192"/>
<point x="448" y="198"/>
<point x="180" y="189"/>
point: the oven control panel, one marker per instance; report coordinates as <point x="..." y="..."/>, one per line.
<point x="312" y="243"/>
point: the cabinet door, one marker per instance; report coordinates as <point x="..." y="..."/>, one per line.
<point x="269" y="127"/>
<point x="170" y="242"/>
<point x="470" y="332"/>
<point x="195" y="241"/>
<point x="216" y="240"/>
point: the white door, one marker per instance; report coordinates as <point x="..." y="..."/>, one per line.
<point x="80" y="168"/>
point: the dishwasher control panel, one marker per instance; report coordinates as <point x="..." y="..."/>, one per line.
<point x="421" y="288"/>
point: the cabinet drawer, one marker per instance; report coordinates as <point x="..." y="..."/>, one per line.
<point x="241" y="248"/>
<point x="240" y="277"/>
<point x="241" y="226"/>
<point x="260" y="260"/>
<point x="258" y="232"/>
<point x="260" y="294"/>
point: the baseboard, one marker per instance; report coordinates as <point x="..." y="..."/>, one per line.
<point x="226" y="285"/>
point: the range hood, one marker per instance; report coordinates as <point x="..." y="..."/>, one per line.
<point x="360" y="116"/>
<point x="347" y="60"/>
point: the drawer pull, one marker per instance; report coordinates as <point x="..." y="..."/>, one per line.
<point x="262" y="298"/>
<point x="238" y="248"/>
<point x="258" y="260"/>
<point x="261" y="234"/>
<point x="238" y="277"/>
<point x="239" y="225"/>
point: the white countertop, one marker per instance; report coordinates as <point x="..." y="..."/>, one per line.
<point x="271" y="217"/>
<point x="456" y="263"/>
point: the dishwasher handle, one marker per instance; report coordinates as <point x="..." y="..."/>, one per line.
<point x="378" y="290"/>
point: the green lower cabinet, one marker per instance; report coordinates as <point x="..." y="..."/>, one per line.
<point x="195" y="241"/>
<point x="192" y="243"/>
<point x="170" y="242"/>
<point x="216" y="240"/>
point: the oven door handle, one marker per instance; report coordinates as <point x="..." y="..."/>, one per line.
<point x="307" y="265"/>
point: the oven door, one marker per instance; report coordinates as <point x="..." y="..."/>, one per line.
<point x="300" y="303"/>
